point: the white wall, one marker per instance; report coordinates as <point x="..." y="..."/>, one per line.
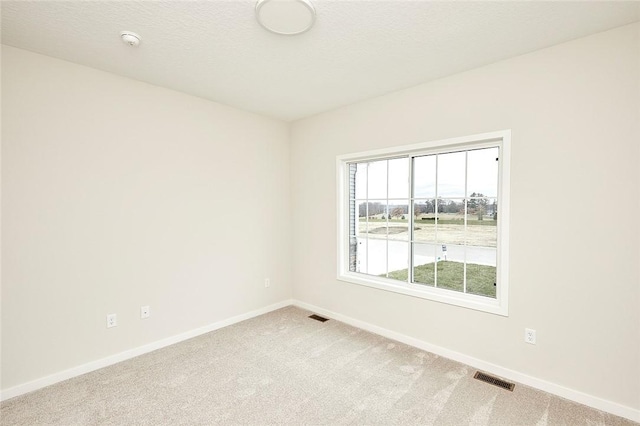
<point x="118" y="194"/>
<point x="575" y="238"/>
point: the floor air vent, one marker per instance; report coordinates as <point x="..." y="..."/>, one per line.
<point x="494" y="381"/>
<point x="318" y="318"/>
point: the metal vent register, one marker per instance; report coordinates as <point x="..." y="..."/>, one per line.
<point x="318" y="318"/>
<point x="494" y="381"/>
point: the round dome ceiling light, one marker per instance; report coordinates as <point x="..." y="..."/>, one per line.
<point x="286" y="17"/>
<point x="130" y="38"/>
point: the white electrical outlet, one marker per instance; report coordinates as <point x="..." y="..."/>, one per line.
<point x="112" y="320"/>
<point x="145" y="312"/>
<point x="267" y="282"/>
<point x="530" y="336"/>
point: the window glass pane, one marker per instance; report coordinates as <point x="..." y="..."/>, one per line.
<point x="450" y="252"/>
<point x="450" y="275"/>
<point x="450" y="223"/>
<point x="398" y="256"/>
<point x="361" y="227"/>
<point x="492" y="209"/>
<point x="482" y="222"/>
<point x="388" y="220"/>
<point x="451" y="174"/>
<point x="481" y="271"/>
<point x="423" y="209"/>
<point x="424" y="229"/>
<point x="398" y="215"/>
<point x="376" y="212"/>
<point x="482" y="172"/>
<point x="377" y="180"/>
<point x="423" y="264"/>
<point x="399" y="178"/>
<point x="377" y="256"/>
<point x="479" y="208"/>
<point x="424" y="171"/>
<point x="361" y="180"/>
<point x="450" y="259"/>
<point x="451" y="209"/>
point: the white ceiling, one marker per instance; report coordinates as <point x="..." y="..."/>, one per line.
<point x="356" y="50"/>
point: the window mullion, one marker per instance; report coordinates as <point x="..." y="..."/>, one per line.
<point x="386" y="273"/>
<point x="410" y="213"/>
<point x="466" y="193"/>
<point x="366" y="229"/>
<point x="435" y="232"/>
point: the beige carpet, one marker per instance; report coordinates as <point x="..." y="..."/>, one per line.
<point x="284" y="368"/>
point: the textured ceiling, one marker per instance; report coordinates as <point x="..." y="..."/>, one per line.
<point x="356" y="50"/>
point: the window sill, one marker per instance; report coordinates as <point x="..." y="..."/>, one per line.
<point x="469" y="301"/>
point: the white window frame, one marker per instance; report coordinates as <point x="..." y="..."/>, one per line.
<point x="499" y="305"/>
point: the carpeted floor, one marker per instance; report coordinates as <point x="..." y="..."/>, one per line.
<point x="284" y="368"/>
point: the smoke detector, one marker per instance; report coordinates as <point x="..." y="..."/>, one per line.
<point x="130" y="38"/>
<point x="286" y="17"/>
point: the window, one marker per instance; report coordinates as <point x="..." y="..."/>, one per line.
<point x="429" y="220"/>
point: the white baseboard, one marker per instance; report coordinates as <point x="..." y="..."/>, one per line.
<point x="573" y="395"/>
<point x="131" y="353"/>
<point x="570" y="394"/>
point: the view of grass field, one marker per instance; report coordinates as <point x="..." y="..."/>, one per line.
<point x="480" y="278"/>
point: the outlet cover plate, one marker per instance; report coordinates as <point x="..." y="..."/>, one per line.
<point x="530" y="336"/>
<point x="112" y="320"/>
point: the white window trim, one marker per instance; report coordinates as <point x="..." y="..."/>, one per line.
<point x="499" y="305"/>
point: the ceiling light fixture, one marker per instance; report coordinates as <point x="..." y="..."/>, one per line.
<point x="286" y="17"/>
<point x="132" y="39"/>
